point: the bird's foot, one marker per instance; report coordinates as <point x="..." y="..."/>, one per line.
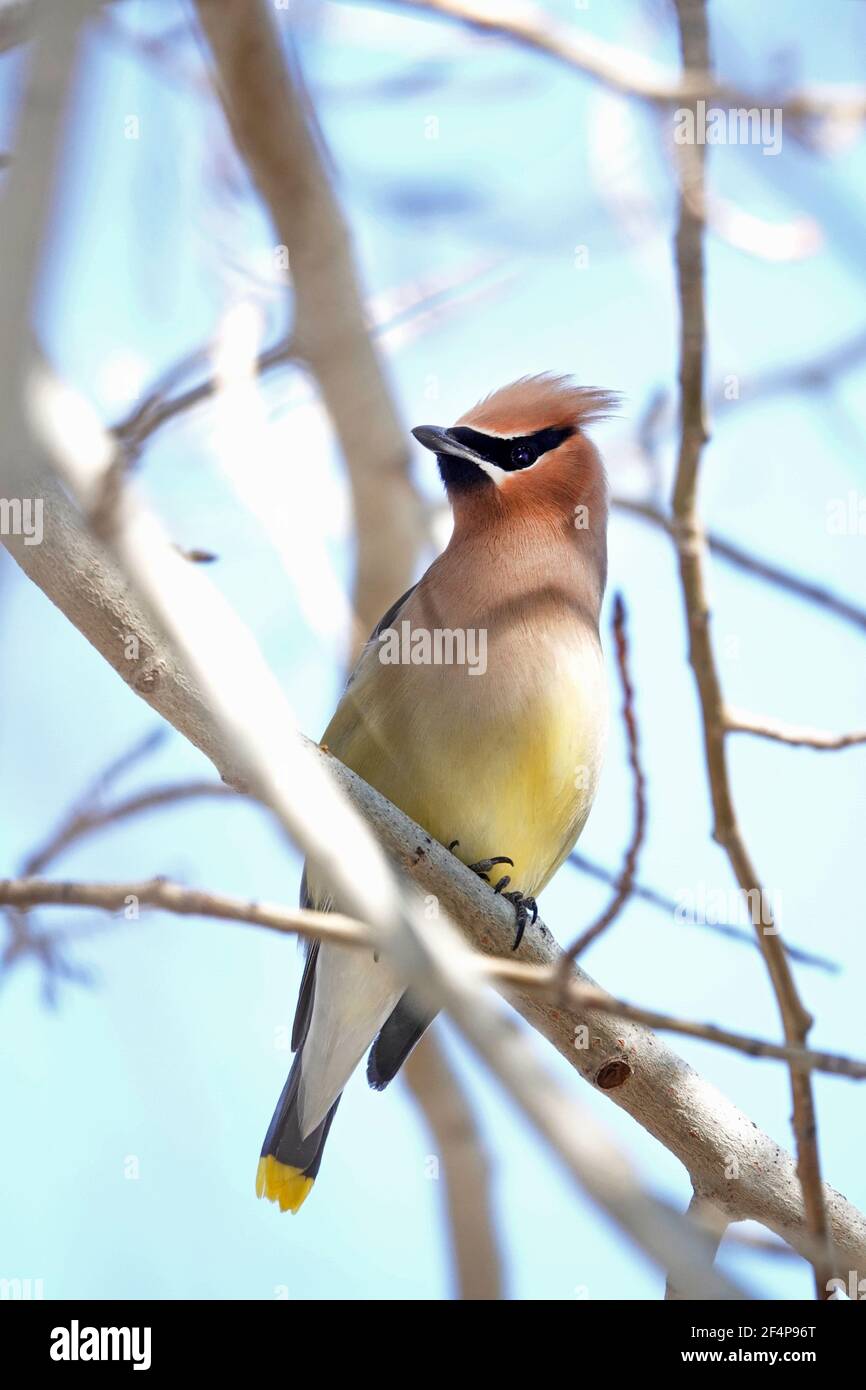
<point x="483" y="866"/>
<point x="523" y="906"/>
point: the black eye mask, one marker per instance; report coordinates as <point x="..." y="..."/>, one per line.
<point x="512" y="454"/>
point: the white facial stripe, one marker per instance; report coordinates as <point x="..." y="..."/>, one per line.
<point x="493" y="471"/>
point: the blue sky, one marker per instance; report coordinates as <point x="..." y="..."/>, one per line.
<point x="171" y="1057"/>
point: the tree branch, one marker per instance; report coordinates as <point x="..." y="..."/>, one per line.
<point x="741" y="722"/>
<point x="434" y="1086"/>
<point x="691" y="551"/>
<point x="579" y="992"/>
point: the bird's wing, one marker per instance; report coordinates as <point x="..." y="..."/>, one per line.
<point x="304" y="1007"/>
<point x="384" y="622"/>
<point x="399" y="1033"/>
<point x="344" y="996"/>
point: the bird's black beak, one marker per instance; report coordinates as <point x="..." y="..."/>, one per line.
<point x="443" y="442"/>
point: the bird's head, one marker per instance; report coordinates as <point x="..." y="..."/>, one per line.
<point x="523" y="450"/>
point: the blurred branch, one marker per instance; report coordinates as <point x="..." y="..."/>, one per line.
<point x="539" y="980"/>
<point x="630" y="73"/>
<point x="691" y="550"/>
<point x="813" y="374"/>
<point x="88" y="816"/>
<point x="625" y="882"/>
<point x="741" y="722"/>
<point x="251" y="712"/>
<point x="416" y="305"/>
<point x="15" y="23"/>
<point x="435" y="1087"/>
<point x="89" y="821"/>
<point x="712" y="1225"/>
<point x="160" y="406"/>
<point x="274" y="129"/>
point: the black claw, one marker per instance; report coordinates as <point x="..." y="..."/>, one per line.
<point x="522" y="908"/>
<point x="453" y="845"/>
<point x="484" y="865"/>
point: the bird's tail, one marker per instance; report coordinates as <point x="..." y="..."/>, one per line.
<point x="290" y="1162"/>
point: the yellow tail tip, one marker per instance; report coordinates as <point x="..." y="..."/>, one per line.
<point x="279" y="1182"/>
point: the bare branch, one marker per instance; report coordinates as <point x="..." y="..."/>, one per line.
<point x="662" y="1092"/>
<point x="434" y="1086"/>
<point x="691" y="550"/>
<point x="15" y="16"/>
<point x="741" y="722"/>
<point x="90" y="820"/>
<point x="159" y="406"/>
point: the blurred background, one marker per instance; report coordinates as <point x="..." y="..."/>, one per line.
<point x="509" y="216"/>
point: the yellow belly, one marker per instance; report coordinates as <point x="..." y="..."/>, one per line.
<point x="513" y="779"/>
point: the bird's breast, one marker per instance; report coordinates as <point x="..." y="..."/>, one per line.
<point x="503" y="754"/>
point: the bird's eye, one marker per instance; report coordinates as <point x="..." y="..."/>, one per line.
<point x="521" y="455"/>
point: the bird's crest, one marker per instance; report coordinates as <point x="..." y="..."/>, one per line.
<point x="536" y="402"/>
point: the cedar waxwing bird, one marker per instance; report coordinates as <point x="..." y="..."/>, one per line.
<point x="479" y="707"/>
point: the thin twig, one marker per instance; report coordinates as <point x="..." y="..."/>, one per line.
<point x="625" y="882"/>
<point x="741" y="722"/>
<point x="691" y="550"/>
<point x="89" y="821"/>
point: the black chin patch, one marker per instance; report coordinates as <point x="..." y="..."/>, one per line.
<point x="513" y="454"/>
